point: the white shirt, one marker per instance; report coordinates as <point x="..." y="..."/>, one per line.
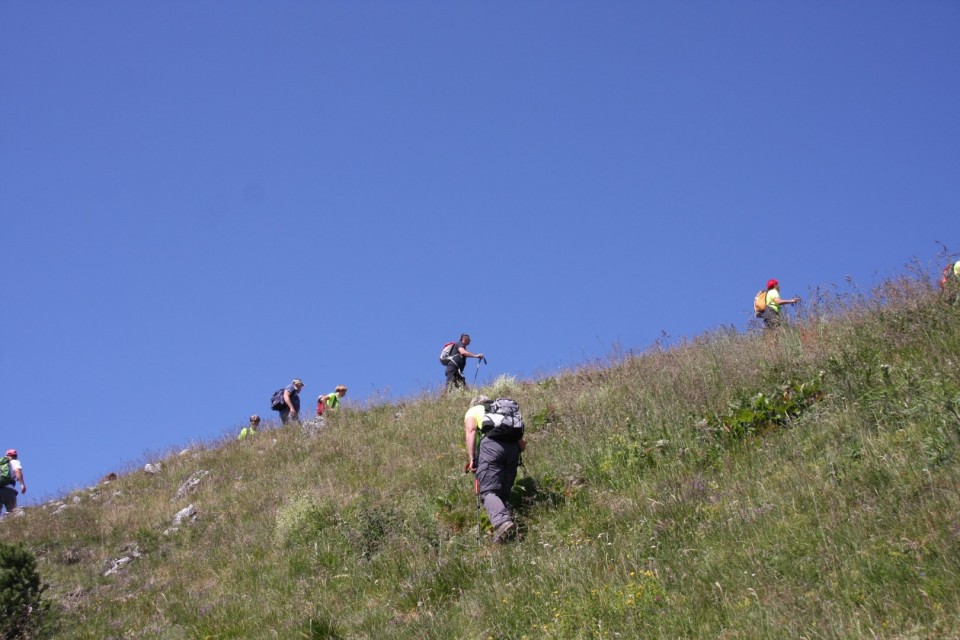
<point x="14" y="467"/>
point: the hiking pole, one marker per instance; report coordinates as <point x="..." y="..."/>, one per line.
<point x="476" y="490"/>
<point x="479" y="360"/>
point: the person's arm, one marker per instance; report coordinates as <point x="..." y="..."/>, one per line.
<point x="289" y="402"/>
<point x="19" y="474"/>
<point x="470" y="437"/>
<point x="467" y="354"/>
<point x="781" y="301"/>
<point x="523" y="444"/>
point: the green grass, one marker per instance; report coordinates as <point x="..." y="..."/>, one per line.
<point x="802" y="485"/>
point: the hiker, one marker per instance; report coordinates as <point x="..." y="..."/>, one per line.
<point x="331" y="400"/>
<point x="8" y="490"/>
<point x="495" y="463"/>
<point x="950" y="280"/>
<point x="287" y="401"/>
<point x="457" y="361"/>
<point x="250" y="429"/>
<point x="771" y="314"/>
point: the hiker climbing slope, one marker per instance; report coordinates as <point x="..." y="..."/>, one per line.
<point x="287" y="401"/>
<point x="454" y="356"/>
<point x="331" y="400"/>
<point x="499" y="426"/>
<point x="770" y="314"/>
<point x="11" y="472"/>
<point x="251" y="428"/>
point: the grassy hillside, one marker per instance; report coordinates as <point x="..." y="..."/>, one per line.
<point x="803" y="485"/>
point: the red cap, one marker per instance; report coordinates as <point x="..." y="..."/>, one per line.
<point x="771" y="283"/>
<point x="11" y="453"/>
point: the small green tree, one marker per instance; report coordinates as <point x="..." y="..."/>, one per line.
<point x="23" y="611"/>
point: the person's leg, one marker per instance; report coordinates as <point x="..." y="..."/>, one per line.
<point x="491" y="475"/>
<point x="771" y="319"/>
<point x="8" y="498"/>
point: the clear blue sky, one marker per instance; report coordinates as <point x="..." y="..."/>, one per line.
<point x="200" y="201"/>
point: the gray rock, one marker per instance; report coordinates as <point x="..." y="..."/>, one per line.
<point x="187" y="513"/>
<point x="190" y="484"/>
<point x="132" y="552"/>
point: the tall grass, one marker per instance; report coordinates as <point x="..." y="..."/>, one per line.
<point x="666" y="494"/>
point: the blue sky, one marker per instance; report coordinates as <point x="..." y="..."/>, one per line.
<point x="201" y="201"/>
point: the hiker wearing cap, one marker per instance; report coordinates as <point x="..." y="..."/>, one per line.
<point x="495" y="463"/>
<point x="11" y="472"/>
<point x="290" y="405"/>
<point x="250" y="429"/>
<point x="458" y="361"/>
<point x="331" y="400"/>
<point x="771" y="314"/>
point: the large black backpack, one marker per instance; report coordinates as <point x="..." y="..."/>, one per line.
<point x="503" y="422"/>
<point x="276" y="400"/>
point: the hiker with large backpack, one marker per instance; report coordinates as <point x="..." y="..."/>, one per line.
<point x="454" y="357"/>
<point x="767" y="303"/>
<point x="287" y="401"/>
<point x="493" y="432"/>
<point x="11" y="472"/>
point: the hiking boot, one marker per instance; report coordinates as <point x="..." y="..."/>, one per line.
<point x="504" y="532"/>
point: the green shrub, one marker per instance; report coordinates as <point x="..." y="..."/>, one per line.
<point x="23" y="611"/>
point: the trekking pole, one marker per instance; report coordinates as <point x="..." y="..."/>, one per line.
<point x="476" y="484"/>
<point x="476" y="490"/>
<point x="479" y="360"/>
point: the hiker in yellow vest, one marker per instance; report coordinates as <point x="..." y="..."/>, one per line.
<point x="250" y="429"/>
<point x="771" y="315"/>
<point x="331" y="400"/>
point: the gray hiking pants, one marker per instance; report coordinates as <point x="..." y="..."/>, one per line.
<point x="496" y="470"/>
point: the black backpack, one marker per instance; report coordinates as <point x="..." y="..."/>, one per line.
<point x="276" y="400"/>
<point x="503" y="422"/>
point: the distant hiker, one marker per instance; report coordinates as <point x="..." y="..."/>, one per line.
<point x="770" y="314"/>
<point x="950" y="281"/>
<point x="495" y="458"/>
<point x="287" y="401"/>
<point x="331" y="400"/>
<point x="455" y="358"/>
<point x="250" y="429"/>
<point x="11" y="472"/>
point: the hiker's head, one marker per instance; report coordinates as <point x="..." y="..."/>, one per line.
<point x="465" y="338"/>
<point x="478" y="400"/>
<point x="254" y="419"/>
<point x="298" y="383"/>
<point x="340" y="390"/>
<point x="11" y="453"/>
<point x="772" y="284"/>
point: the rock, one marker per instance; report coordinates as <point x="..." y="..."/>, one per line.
<point x="188" y="512"/>
<point x="190" y="483"/>
<point x="313" y="426"/>
<point x="132" y="552"/>
<point x="110" y="477"/>
<point x="152" y="468"/>
<point x="186" y="515"/>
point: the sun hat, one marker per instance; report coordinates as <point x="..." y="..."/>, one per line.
<point x="480" y="400"/>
